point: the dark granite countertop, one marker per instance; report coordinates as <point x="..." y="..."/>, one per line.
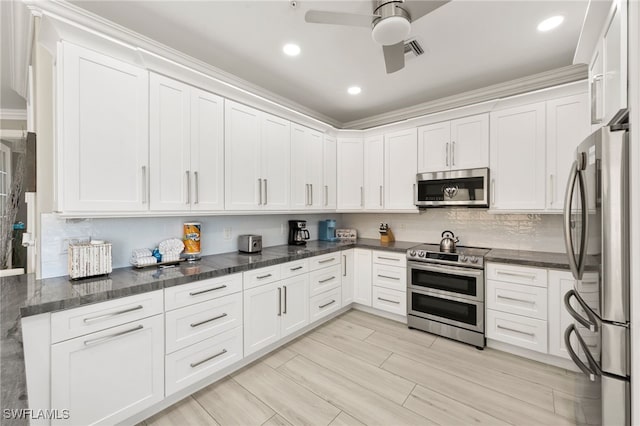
<point x="541" y="259"/>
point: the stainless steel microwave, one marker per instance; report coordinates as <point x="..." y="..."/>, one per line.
<point x="457" y="188"/>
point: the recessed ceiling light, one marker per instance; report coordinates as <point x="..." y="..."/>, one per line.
<point x="291" y="49"/>
<point x="354" y="90"/>
<point x="550" y="23"/>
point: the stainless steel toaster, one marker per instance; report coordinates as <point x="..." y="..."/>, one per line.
<point x="249" y="243"/>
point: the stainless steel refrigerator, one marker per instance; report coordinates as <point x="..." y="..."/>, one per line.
<point x="596" y="228"/>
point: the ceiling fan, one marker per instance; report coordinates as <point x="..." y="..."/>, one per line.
<point x="390" y="24"/>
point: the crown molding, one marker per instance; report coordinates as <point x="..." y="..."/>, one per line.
<point x="494" y="92"/>
<point x="20" y="44"/>
<point x="13" y="114"/>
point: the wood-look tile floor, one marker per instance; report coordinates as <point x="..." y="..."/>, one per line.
<point x="361" y="369"/>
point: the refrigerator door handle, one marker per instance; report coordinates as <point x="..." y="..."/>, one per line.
<point x="591" y="371"/>
<point x="591" y="323"/>
<point x="576" y="265"/>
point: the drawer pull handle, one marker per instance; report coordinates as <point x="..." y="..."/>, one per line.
<point x="196" y="324"/>
<point x="515" y="274"/>
<point x="390" y="301"/>
<point x="344" y="265"/>
<point x="388" y="277"/>
<point x="195" y="293"/>
<point x="389" y="258"/>
<point x="111" y="336"/>
<point x="195" y="364"/>
<point x="297" y="268"/>
<point x="515" y="299"/>
<point x="112" y="314"/>
<point x="516" y="331"/>
<point x="327" y="260"/>
<point x="262" y="277"/>
<point x="327" y="304"/>
<point x="326" y="280"/>
<point x="279" y="301"/>
<point x="284" y="287"/>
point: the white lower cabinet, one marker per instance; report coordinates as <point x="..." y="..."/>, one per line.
<point x="525" y="300"/>
<point x="393" y="301"/>
<point x="362" y="277"/>
<point x="324" y="279"/>
<point x="389" y="282"/>
<point x="517" y="330"/>
<point x="295" y="310"/>
<point x="348" y="273"/>
<point x="325" y="303"/>
<point x="107" y="376"/>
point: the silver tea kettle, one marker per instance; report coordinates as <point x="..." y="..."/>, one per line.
<point x="448" y="244"/>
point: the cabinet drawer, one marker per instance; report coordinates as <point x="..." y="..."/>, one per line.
<point x="393" y="301"/>
<point x="291" y="269"/>
<point x="198" y="361"/>
<point x="261" y="276"/>
<point x="391" y="277"/>
<point x="199" y="291"/>
<point x="518" y="299"/>
<point x="517" y="274"/>
<point x="325" y="279"/>
<point x="99" y="316"/>
<point x="389" y="258"/>
<point x="325" y="260"/>
<point x="191" y="324"/>
<point x="325" y="303"/>
<point x="517" y="330"/>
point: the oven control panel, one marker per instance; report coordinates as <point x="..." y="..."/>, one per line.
<point x="466" y="256"/>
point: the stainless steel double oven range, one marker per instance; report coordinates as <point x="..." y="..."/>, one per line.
<point x="445" y="292"/>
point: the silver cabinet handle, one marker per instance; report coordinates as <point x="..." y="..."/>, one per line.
<point x="279" y="301"/>
<point x="195" y="364"/>
<point x="284" y="287"/>
<point x="197" y="324"/>
<point x="262" y="277"/>
<point x="265" y="192"/>
<point x="195" y="293"/>
<point x="380" y="195"/>
<point x="327" y="304"/>
<point x="446" y="153"/>
<point x="551" y="189"/>
<point x="188" y="187"/>
<point x="297" y="268"/>
<point x="306" y="194"/>
<point x="388" y="277"/>
<point x="515" y="331"/>
<point x="195" y="175"/>
<point x="595" y="118"/>
<point x="327" y="260"/>
<point x="362" y="196"/>
<point x="311" y="203"/>
<point x="344" y="265"/>
<point x="499" y="296"/>
<point x="144" y="184"/>
<point x="453" y="153"/>
<point x="326" y="280"/>
<point x="112" y="314"/>
<point x="326" y="195"/>
<point x="111" y="336"/>
<point x="260" y="191"/>
<point x="517" y="274"/>
<point x="387" y="300"/>
<point x="493" y="191"/>
<point x="395" y="259"/>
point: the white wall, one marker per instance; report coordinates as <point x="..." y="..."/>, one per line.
<point x="474" y="227"/>
<point x="127" y="234"/>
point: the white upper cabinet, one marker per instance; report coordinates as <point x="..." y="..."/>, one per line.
<point x="400" y="169"/>
<point x="374" y="173"/>
<point x="102" y="144"/>
<point x="307" y="191"/>
<point x="454" y="145"/>
<point x="186" y="147"/>
<point x="596" y="86"/>
<point x="329" y="172"/>
<point x="567" y="126"/>
<point x="517" y="158"/>
<point x="350" y="174"/>
<point x="257" y="147"/>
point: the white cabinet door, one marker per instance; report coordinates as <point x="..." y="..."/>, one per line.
<point x="433" y="147"/>
<point x="469" y="147"/>
<point x="329" y="174"/>
<point x="362" y="277"/>
<point x="596" y="86"/>
<point x="275" y="169"/>
<point x="348" y="276"/>
<point x="242" y="157"/>
<point x="262" y="312"/>
<point x="517" y="155"/>
<point x="295" y="303"/>
<point x="299" y="185"/>
<point x="108" y="376"/>
<point x="560" y="282"/>
<point x="615" y="61"/>
<point x="314" y="169"/>
<point x="102" y="142"/>
<point x="170" y="143"/>
<point x="374" y="173"/>
<point x="400" y="170"/>
<point x="567" y="125"/>
<point x="207" y="151"/>
<point x="350" y="173"/>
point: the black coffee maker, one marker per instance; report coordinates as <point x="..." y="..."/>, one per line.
<point x="298" y="233"/>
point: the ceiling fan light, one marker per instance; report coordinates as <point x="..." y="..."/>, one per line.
<point x="390" y="31"/>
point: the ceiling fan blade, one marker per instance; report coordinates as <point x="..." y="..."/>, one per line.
<point x="419" y="8"/>
<point x="338" y="18"/>
<point x="394" y="57"/>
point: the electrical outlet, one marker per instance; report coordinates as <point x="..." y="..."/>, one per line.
<point x="402" y="226"/>
<point x="227" y="233"/>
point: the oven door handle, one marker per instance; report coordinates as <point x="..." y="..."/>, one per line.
<point x="591" y="323"/>
<point x="454" y="270"/>
<point x="592" y="370"/>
